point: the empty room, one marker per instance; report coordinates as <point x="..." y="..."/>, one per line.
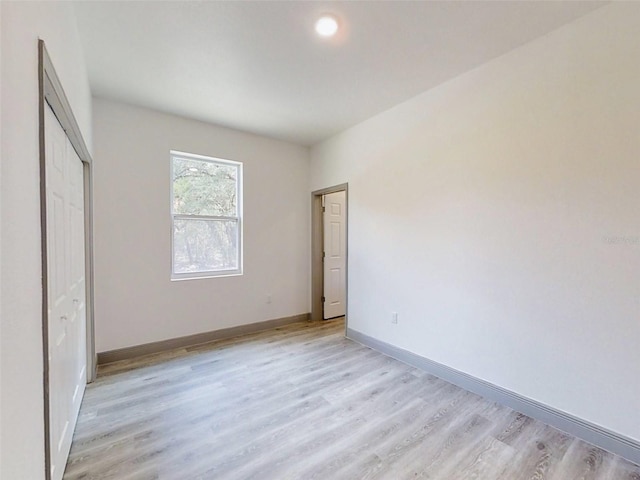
<point x="319" y="240"/>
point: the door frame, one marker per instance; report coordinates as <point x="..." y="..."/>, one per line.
<point x="317" y="243"/>
<point x="51" y="93"/>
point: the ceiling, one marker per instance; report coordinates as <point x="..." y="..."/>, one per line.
<point x="259" y="67"/>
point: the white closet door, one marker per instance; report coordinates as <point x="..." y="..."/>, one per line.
<point x="78" y="319"/>
<point x="66" y="290"/>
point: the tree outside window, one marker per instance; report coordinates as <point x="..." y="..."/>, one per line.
<point x="206" y="214"/>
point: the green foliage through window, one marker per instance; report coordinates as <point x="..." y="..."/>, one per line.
<point x="204" y="188"/>
<point x="206" y="220"/>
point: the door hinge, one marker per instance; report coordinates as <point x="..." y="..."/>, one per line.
<point x="323" y="299"/>
<point x="324" y="254"/>
<point x="324" y="209"/>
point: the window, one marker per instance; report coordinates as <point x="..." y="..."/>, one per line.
<point x="206" y="211"/>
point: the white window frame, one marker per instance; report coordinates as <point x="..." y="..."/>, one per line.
<point x="174" y="154"/>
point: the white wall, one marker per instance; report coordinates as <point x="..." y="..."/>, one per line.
<point x="136" y="302"/>
<point x="1" y="428"/>
<point x="483" y="212"/>
<point x="20" y="306"/>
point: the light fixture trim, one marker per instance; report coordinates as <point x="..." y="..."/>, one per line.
<point x="327" y="26"/>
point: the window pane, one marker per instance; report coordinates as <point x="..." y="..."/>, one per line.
<point x="205" y="245"/>
<point x="204" y="188"/>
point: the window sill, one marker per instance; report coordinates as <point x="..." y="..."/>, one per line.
<point x="204" y="276"/>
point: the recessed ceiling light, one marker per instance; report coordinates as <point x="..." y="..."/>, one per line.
<point x="327" y="26"/>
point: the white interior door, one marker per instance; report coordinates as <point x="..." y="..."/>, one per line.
<point x="335" y="245"/>
<point x="66" y="289"/>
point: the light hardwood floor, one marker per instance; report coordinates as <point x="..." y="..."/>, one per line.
<point x="303" y="402"/>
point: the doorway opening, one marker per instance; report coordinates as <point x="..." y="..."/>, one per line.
<point x="329" y="253"/>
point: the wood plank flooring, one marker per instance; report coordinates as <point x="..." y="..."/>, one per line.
<point x="303" y="402"/>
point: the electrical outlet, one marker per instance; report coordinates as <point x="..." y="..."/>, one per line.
<point x="394" y="317"/>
